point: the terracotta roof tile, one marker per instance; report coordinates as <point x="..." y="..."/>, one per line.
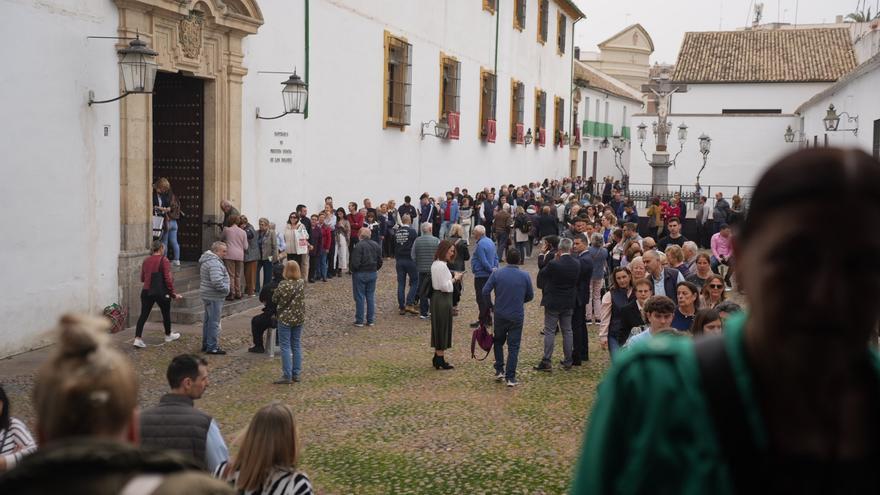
<point x="783" y="55"/>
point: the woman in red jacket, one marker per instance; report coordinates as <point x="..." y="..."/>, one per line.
<point x="156" y="263"/>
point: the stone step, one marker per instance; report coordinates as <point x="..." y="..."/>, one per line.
<point x="190" y="309"/>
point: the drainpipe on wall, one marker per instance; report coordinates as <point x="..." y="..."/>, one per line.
<point x="571" y="87"/>
<point x="306" y="110"/>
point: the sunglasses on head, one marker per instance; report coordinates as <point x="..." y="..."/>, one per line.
<point x="716" y="286"/>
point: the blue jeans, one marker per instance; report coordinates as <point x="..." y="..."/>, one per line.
<point x="501" y="243"/>
<point x="406" y="267"/>
<point x="322" y="266"/>
<point x="364" y="288"/>
<point x="511" y="332"/>
<point x="266" y="267"/>
<point x="521" y="247"/>
<point x="170" y="237"/>
<point x="211" y="323"/>
<point x="444" y="229"/>
<point x="290" y="343"/>
<point x="613" y="346"/>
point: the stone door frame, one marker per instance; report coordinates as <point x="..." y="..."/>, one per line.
<point x="200" y="38"/>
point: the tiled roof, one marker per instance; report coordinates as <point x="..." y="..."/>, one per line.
<point x="593" y="78"/>
<point x="783" y="55"/>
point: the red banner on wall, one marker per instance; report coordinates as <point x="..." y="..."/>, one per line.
<point x="490" y="131"/>
<point x="453" y="119"/>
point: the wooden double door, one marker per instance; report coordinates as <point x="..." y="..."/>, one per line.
<point x="178" y="152"/>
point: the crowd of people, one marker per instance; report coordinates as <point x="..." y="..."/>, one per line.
<point x="726" y="412"/>
<point x="592" y="251"/>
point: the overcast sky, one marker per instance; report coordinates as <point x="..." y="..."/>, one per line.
<point x="667" y="21"/>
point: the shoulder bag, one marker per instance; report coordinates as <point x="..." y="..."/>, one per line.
<point x="158" y="289"/>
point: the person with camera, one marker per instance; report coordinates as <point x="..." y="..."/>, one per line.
<point x="158" y="289"/>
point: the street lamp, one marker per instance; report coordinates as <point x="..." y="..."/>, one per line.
<point x="604" y="144"/>
<point x="705" y="148"/>
<point x="832" y="121"/>
<point x="642" y="132"/>
<point x="682" y="132"/>
<point x="295" y="95"/>
<point x="527" y="139"/>
<point x="137" y="65"/>
<point x="789" y="135"/>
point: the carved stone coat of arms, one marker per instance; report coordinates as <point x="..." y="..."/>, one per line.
<point x="190" y="34"/>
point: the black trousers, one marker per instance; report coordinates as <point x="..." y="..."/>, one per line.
<point x="147" y="302"/>
<point x="259" y="324"/>
<point x="331" y="259"/>
<point x="483" y="302"/>
<point x="579" y="335"/>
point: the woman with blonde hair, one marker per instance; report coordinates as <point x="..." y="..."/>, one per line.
<point x="267" y="461"/>
<point x="167" y="206"/>
<point x="290" y="300"/>
<point x="85" y="400"/>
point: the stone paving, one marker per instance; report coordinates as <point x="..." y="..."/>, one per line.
<point x="374" y="416"/>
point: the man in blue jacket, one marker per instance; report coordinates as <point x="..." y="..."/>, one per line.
<point x="483" y="263"/>
<point x="513" y="288"/>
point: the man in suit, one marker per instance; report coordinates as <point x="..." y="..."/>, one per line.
<point x="558" y="281"/>
<point x="665" y="280"/>
<point x="580" y="250"/>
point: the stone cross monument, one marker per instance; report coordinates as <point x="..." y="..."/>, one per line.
<point x="660" y="163"/>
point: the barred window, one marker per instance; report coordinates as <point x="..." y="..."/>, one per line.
<point x="519" y="14"/>
<point x="558" y="117"/>
<point x="543" y="20"/>
<point x="517" y="105"/>
<point x="488" y="90"/>
<point x="450" y="84"/>
<point x="398" y="81"/>
<point x="540" y="109"/>
<point x="560" y="34"/>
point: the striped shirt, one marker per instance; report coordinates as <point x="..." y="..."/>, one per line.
<point x="279" y="482"/>
<point x="15" y="443"/>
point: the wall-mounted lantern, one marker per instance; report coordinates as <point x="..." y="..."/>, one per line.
<point x="295" y="95"/>
<point x="832" y="121"/>
<point x="137" y="65"/>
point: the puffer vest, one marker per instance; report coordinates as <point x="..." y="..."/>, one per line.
<point x="176" y="425"/>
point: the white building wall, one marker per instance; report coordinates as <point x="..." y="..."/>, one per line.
<point x="342" y="149"/>
<point x="743" y="147"/>
<point x="620" y="112"/>
<point x="713" y="98"/>
<point x="61" y="174"/>
<point x="858" y="98"/>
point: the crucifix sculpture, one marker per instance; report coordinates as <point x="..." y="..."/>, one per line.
<point x="663" y="89"/>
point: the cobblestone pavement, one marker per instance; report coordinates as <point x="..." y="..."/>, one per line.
<point x="374" y="416"/>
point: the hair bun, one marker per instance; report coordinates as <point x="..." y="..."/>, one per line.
<point x="80" y="335"/>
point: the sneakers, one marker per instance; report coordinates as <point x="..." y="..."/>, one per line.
<point x="424" y="317"/>
<point x="217" y="352"/>
<point x="175" y="263"/>
<point x="371" y="323"/>
<point x="544" y="366"/>
<point x="358" y="324"/>
<point x="171" y="337"/>
<point x="138" y="342"/>
<point x="282" y="381"/>
<point x="499" y="377"/>
<point x="512" y="383"/>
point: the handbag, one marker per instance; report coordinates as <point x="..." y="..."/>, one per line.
<point x="158" y="221"/>
<point x="158" y="289"/>
<point x="484" y="339"/>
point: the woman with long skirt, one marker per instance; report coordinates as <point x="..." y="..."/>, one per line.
<point x="443" y="283"/>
